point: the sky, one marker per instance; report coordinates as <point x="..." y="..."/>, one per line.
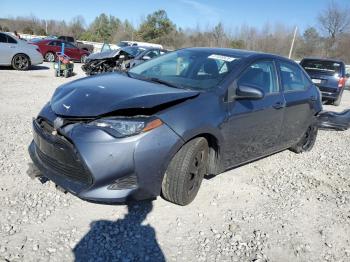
<point x="184" y="13"/>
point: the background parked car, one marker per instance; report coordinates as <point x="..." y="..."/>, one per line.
<point x="134" y="43"/>
<point x="329" y="75"/>
<point x="120" y="60"/>
<point x="17" y="53"/>
<point x="78" y="44"/>
<point x="49" y="48"/>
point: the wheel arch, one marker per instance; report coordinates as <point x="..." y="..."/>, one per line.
<point x="214" y="158"/>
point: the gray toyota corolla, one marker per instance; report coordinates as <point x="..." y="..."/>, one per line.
<point x="164" y="125"/>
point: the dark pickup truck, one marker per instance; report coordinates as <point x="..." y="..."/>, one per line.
<point x="78" y="44"/>
<point x="328" y="75"/>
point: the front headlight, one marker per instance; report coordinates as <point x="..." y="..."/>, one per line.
<point x="122" y="127"/>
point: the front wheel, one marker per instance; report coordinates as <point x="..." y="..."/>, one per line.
<point x="185" y="172"/>
<point x="307" y="142"/>
<point x="83" y="59"/>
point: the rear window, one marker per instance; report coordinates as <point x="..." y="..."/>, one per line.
<point x="325" y="67"/>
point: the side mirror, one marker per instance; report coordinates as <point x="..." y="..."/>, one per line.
<point x="146" y="57"/>
<point x="249" y="92"/>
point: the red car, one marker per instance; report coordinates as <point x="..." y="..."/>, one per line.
<point x="49" y="48"/>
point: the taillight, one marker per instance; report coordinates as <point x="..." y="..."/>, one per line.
<point x="341" y="82"/>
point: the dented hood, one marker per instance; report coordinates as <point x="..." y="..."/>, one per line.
<point x="103" y="55"/>
<point x="102" y="94"/>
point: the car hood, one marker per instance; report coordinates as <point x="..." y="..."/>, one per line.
<point x="103" y="94"/>
<point x="104" y="55"/>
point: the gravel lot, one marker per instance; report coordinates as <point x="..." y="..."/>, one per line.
<point x="285" y="207"/>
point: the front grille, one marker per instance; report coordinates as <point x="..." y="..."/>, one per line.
<point x="59" y="155"/>
<point x="76" y="172"/>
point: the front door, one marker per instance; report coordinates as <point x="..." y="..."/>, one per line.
<point x="71" y="51"/>
<point x="254" y="126"/>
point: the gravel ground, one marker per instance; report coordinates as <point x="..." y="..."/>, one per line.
<point x="285" y="207"/>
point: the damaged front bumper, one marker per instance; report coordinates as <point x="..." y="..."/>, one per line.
<point x="95" y="166"/>
<point x="333" y="120"/>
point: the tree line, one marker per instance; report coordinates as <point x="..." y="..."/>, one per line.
<point x="331" y="38"/>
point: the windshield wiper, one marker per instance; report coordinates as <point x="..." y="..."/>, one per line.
<point x="163" y="82"/>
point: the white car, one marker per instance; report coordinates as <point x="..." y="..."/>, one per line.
<point x="134" y="43"/>
<point x="18" y="53"/>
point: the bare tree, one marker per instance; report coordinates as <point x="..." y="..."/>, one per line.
<point x="335" y="20"/>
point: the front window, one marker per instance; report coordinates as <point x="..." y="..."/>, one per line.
<point x="192" y="69"/>
<point x="261" y="74"/>
<point x="69" y="45"/>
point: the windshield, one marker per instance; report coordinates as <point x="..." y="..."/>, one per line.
<point x="326" y="67"/>
<point x="123" y="44"/>
<point x="192" y="69"/>
<point x="133" y="50"/>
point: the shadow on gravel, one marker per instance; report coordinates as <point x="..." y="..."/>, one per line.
<point x="32" y="68"/>
<point x="122" y="240"/>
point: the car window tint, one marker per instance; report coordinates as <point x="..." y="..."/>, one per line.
<point x="152" y="53"/>
<point x="11" y="40"/>
<point x="3" y="38"/>
<point x="69" y="45"/>
<point x="262" y="75"/>
<point x="293" y="78"/>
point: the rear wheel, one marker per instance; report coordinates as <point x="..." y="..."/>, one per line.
<point x="185" y="172"/>
<point x="307" y="142"/>
<point x="20" y="62"/>
<point x="50" y="57"/>
<point x="337" y="101"/>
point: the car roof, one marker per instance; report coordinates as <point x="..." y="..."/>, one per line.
<point x="241" y="53"/>
<point x="323" y="59"/>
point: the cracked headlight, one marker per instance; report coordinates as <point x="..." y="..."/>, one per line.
<point x="122" y="127"/>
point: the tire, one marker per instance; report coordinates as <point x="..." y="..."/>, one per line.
<point x="307" y="142"/>
<point x="83" y="59"/>
<point x="20" y="62"/>
<point x="338" y="100"/>
<point x="185" y="172"/>
<point x="66" y="73"/>
<point x="49" y="57"/>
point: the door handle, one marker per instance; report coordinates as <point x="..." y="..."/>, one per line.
<point x="278" y="105"/>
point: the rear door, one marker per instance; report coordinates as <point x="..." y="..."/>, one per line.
<point x="8" y="48"/>
<point x="254" y="126"/>
<point x="300" y="96"/>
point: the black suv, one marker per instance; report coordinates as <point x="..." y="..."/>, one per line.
<point x="328" y="75"/>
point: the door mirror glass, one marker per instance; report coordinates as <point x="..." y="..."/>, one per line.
<point x="249" y="92"/>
